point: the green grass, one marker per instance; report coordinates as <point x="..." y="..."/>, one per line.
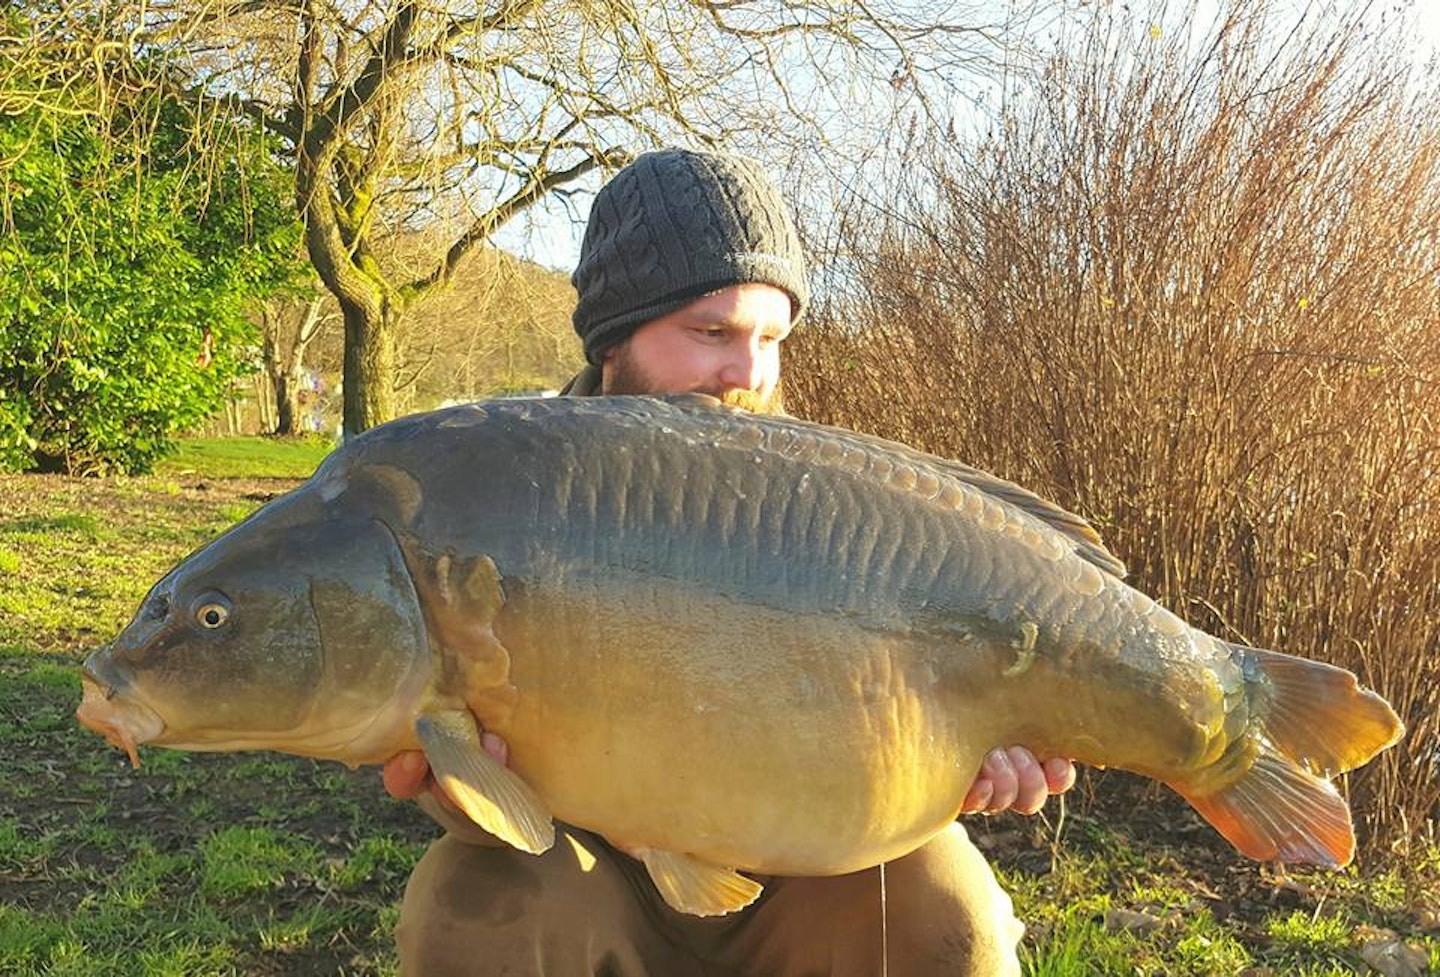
<point x="194" y="864"/>
<point x="75" y="559"/>
<point x="1218" y="914"/>
<point x="247" y="457"/>
<point x="239" y="861"/>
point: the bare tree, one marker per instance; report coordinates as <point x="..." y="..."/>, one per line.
<point x="402" y="115"/>
<point x="288" y="328"/>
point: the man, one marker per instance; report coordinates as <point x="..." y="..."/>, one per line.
<point x="690" y="278"/>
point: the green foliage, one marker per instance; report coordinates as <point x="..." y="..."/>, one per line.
<point x="131" y="250"/>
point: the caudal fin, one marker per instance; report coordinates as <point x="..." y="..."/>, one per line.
<point x="1270" y="794"/>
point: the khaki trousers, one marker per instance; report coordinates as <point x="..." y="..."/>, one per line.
<point x="585" y="910"/>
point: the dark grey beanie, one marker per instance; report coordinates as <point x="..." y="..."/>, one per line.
<point x="674" y="225"/>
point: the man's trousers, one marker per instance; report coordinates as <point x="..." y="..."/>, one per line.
<point x="584" y="909"/>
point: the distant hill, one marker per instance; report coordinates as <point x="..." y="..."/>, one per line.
<point x="503" y="326"/>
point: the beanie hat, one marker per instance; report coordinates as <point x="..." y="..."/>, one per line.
<point x="672" y="226"/>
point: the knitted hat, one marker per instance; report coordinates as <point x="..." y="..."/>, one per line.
<point x="675" y="225"/>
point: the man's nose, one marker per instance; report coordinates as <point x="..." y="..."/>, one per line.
<point x="742" y="369"/>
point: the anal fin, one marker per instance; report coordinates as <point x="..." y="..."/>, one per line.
<point x="696" y="887"/>
<point x="490" y="795"/>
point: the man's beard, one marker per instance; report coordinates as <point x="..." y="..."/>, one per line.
<point x="624" y="376"/>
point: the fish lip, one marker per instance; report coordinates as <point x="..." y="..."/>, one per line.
<point x="124" y="721"/>
<point x="91" y="675"/>
<point x="101" y="670"/>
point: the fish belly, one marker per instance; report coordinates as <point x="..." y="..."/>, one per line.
<point x="755" y="737"/>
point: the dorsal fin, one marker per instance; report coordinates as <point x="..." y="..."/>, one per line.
<point x="1088" y="544"/>
<point x="1087" y="540"/>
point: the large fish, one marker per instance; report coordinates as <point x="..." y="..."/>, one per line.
<point x="724" y="642"/>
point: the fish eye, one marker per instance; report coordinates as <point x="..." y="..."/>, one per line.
<point x="212" y="613"/>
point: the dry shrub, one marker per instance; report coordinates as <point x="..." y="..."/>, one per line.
<point x="1192" y="292"/>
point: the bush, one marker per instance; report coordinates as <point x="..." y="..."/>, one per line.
<point x="127" y="263"/>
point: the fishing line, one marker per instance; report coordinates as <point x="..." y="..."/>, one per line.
<point x="884" y="928"/>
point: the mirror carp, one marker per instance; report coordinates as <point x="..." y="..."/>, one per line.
<point x="725" y="642"/>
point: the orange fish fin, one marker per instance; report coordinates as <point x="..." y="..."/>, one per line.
<point x="1318" y="715"/>
<point x="1269" y="793"/>
<point x="490" y="794"/>
<point x="696" y="887"/>
<point x="1278" y="812"/>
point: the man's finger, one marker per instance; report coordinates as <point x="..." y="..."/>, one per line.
<point x="496" y="747"/>
<point x="405" y="774"/>
<point x="1059" y="775"/>
<point x="1002" y="775"/>
<point x="1031" y="788"/>
<point x="979" y="797"/>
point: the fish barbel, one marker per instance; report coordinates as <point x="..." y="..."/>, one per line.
<point x="724" y="642"/>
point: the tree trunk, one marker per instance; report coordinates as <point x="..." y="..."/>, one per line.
<point x="368" y="304"/>
<point x="287" y="396"/>
<point x="369" y="365"/>
<point x="265" y="399"/>
<point x="288" y="375"/>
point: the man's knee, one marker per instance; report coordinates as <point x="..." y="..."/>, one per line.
<point x="475" y="910"/>
<point x="470" y="885"/>
<point x="464" y="904"/>
<point x="937" y="911"/>
<point x="946" y="905"/>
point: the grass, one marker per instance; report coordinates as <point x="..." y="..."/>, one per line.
<point x="194" y="864"/>
<point x="257" y="864"/>
<point x="247" y="457"/>
<point x="1211" y="912"/>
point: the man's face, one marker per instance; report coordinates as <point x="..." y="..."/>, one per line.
<point x="726" y="344"/>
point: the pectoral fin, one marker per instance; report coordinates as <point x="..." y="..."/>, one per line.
<point x="699" y="888"/>
<point x="489" y="794"/>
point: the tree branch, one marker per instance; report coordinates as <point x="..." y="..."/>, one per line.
<point x="541" y="183"/>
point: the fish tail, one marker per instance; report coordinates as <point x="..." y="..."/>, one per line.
<point x="1269" y="792"/>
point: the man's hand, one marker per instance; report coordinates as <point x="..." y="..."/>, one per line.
<point x="1014" y="780"/>
<point x="407" y="775"/>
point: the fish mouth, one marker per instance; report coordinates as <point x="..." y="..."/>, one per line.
<point x="123" y="722"/>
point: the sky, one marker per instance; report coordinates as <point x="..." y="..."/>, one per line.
<point x="551" y="235"/>
<point x="1428" y="22"/>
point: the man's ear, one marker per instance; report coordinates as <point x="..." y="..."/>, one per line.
<point x="607" y="365"/>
